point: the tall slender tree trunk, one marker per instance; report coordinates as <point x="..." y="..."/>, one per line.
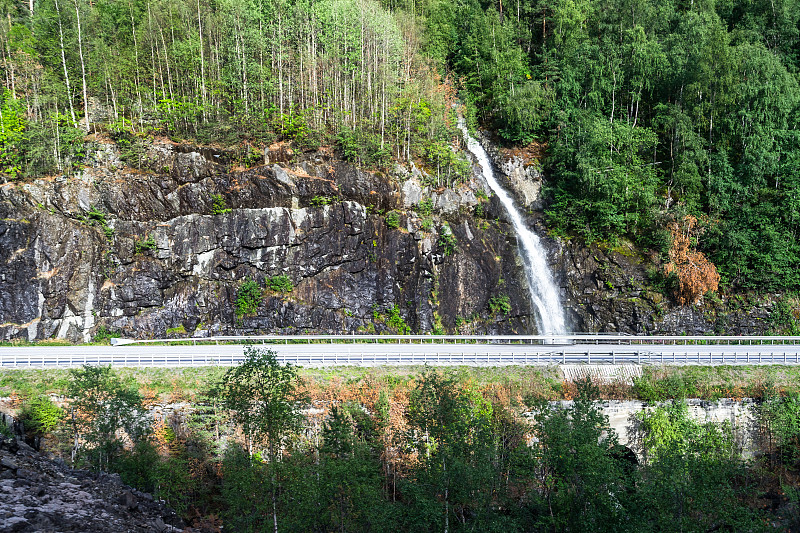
<point x="136" y="73"/>
<point x="83" y="67"/>
<point x="202" y="60"/>
<point x="64" y="64"/>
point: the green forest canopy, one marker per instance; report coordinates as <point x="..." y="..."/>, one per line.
<point x="650" y="109"/>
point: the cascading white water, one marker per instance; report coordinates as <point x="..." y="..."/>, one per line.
<point x="543" y="291"/>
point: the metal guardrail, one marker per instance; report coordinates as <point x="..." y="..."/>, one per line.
<point x="494" y="358"/>
<point x="596" y="339"/>
<point x="325" y="350"/>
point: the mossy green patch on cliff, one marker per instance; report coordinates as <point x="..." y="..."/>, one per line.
<point x="180" y="330"/>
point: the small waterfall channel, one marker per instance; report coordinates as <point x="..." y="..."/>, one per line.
<point x="543" y="291"/>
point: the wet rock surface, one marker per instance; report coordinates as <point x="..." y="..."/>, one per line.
<point x="39" y="495"/>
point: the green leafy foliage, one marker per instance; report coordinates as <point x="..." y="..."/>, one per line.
<point x="248" y="298"/>
<point x="102" y="411"/>
<point x="699" y="464"/>
<point x="280" y="283"/>
<point x="103" y="334"/>
<point x="12" y="134"/>
<point x="395" y="321"/>
<point x="264" y="399"/>
<point x="40" y="415"/>
<point x="424" y="208"/>
<point x="447" y="241"/>
<point x="779" y="421"/>
<point x="584" y="484"/>
<point x="95" y="215"/>
<point x="392" y="220"/>
<point x="219" y="206"/>
<point x="141" y="246"/>
<point x="500" y="304"/>
<point x="319" y="201"/>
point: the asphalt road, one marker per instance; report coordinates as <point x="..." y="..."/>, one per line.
<point x="401" y="354"/>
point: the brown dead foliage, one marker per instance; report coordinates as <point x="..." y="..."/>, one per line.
<point x="696" y="274"/>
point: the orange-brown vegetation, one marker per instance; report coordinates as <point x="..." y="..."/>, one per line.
<point x="696" y="274"/>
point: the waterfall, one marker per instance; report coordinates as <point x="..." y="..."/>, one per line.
<point x="543" y="291"/>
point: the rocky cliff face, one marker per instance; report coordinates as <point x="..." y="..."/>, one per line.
<point x="146" y="253"/>
<point x="163" y="250"/>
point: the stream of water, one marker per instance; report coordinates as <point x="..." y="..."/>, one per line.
<point x="543" y="290"/>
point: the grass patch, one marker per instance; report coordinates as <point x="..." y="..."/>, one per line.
<point x="180" y="330"/>
<point x="520" y="385"/>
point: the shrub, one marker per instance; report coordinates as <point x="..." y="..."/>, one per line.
<point x="425" y="207"/>
<point x="247" y="298"/>
<point x="148" y="243"/>
<point x="219" y="206"/>
<point x="500" y="304"/>
<point x="103" y="334"/>
<point x="319" y="201"/>
<point x="280" y="283"/>
<point x="447" y="241"/>
<point x="696" y="274"/>
<point x="95" y="215"/>
<point x="396" y="321"/>
<point x="179" y="330"/>
<point x="40" y="415"/>
<point x="393" y="220"/>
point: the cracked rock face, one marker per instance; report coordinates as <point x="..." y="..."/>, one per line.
<point x="143" y="252"/>
<point x="38" y="495"/>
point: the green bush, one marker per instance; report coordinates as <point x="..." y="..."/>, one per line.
<point x="447" y="241"/>
<point x="396" y="321"/>
<point x="362" y="147"/>
<point x="247" y="298"/>
<point x="319" y="201"/>
<point x="393" y="220"/>
<point x="651" y="388"/>
<point x="500" y="304"/>
<point x="148" y="243"/>
<point x="280" y="283"/>
<point x="94" y="215"/>
<point x="104" y="334"/>
<point x="40" y="415"/>
<point x="425" y="207"/>
<point x="219" y="207"/>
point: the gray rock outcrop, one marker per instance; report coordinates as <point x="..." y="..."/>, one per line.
<point x="39" y="495"/>
<point x="143" y="253"/>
